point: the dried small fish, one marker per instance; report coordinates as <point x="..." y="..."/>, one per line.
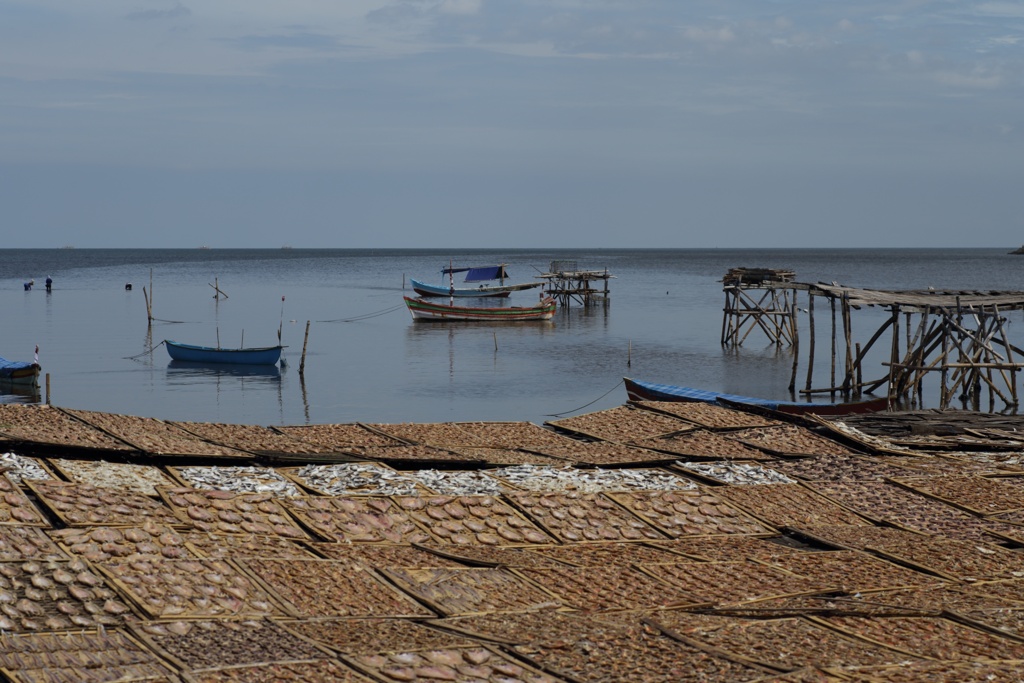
<point x="18" y="467"/>
<point x="557" y="479"/>
<point x="737" y="472"/>
<point x="364" y="478"/>
<point x="240" y="480"/>
<point x="459" y="483"/>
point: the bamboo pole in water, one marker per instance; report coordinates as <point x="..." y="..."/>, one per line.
<point x="305" y="340"/>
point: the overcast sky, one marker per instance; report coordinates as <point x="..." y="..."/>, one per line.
<point x="500" y="123"/>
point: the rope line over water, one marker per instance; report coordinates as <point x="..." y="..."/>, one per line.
<point x="620" y="382"/>
<point x="366" y="316"/>
<point x="145" y="353"/>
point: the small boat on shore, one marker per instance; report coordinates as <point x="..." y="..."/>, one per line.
<point x="19" y="372"/>
<point x="637" y="390"/>
<point x="427" y="310"/>
<point x="482" y="274"/>
<point x="263" y="355"/>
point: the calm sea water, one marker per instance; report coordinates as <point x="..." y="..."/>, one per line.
<point x="367" y="361"/>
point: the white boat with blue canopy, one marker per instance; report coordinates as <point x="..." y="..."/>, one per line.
<point x="477" y="274"/>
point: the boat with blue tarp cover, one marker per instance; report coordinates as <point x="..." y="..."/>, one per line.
<point x="19" y="372"/>
<point x="481" y="274"/>
<point x="637" y="390"/>
<point x="264" y="355"/>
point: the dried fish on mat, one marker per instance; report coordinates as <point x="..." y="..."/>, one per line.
<point x="469" y="520"/>
<point x="54" y="595"/>
<point x="239" y="479"/>
<point x="733" y="548"/>
<point x="595" y="648"/>
<point x="252" y="438"/>
<point x="354" y="478"/>
<point x="223" y="546"/>
<point x="441" y="434"/>
<point x="282" y="672"/>
<point x="543" y="478"/>
<point x="376" y="556"/>
<point x="856" y="537"/>
<point x="741" y="473"/>
<point x="358" y="519"/>
<point x="193" y="588"/>
<point x="16" y="508"/>
<point x="459" y="482"/>
<point x="782" y="505"/>
<point x="702" y="444"/>
<point x="853" y="571"/>
<point x="471" y="663"/>
<point x="790" y="440"/>
<point x="213" y="644"/>
<point x="20" y="467"/>
<point x="942" y="672"/>
<point x="96" y="544"/>
<point x="372" y="636"/>
<point x="778" y="642"/>
<point x="27" y="543"/>
<point x="933" y="637"/>
<point x="575" y="517"/>
<point x="734" y="583"/>
<point x="600" y="453"/>
<point x="504" y="456"/>
<point x="84" y="656"/>
<point x="514" y="435"/>
<point x="153" y="436"/>
<point x="453" y="591"/>
<point x="113" y="475"/>
<point x="490" y="556"/>
<point x="622" y="424"/>
<point x="707" y="415"/>
<point x="87" y="505"/>
<point x="607" y="588"/>
<point x="978" y="495"/>
<point x="328" y="588"/>
<point x="604" y="554"/>
<point x="956" y="560"/>
<point x="338" y="438"/>
<point x="49" y="426"/>
<point x="232" y="513"/>
<point x="882" y="502"/>
<point x="689" y="513"/>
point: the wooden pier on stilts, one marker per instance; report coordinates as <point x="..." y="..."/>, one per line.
<point x="960" y="338"/>
<point x="566" y="283"/>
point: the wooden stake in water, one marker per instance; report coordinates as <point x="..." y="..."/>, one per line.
<point x="305" y="340"/>
<point x="629" y="355"/>
<point x="47" y="388"/>
<point x="495" y="340"/>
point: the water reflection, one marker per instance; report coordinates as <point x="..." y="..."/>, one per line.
<point x="186" y="372"/>
<point x="19" y="393"/>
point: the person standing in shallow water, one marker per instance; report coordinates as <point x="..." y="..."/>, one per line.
<point x="49" y="283"/>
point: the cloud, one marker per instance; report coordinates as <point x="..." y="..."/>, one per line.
<point x="176" y="12"/>
<point x="298" y="40"/>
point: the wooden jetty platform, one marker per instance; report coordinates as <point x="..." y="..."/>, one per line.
<point x="961" y="335"/>
<point x="565" y="283"/>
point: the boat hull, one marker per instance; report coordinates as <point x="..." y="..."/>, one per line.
<point x="424" y="289"/>
<point x="649" y="391"/>
<point x="266" y="355"/>
<point x="12" y="372"/>
<point x="429" y="311"/>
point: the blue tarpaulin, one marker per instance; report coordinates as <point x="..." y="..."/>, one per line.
<point x="480" y="274"/>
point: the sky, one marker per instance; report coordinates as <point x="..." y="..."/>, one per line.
<point x="512" y="124"/>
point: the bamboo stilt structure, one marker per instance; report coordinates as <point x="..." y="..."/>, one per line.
<point x="959" y="338"/>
